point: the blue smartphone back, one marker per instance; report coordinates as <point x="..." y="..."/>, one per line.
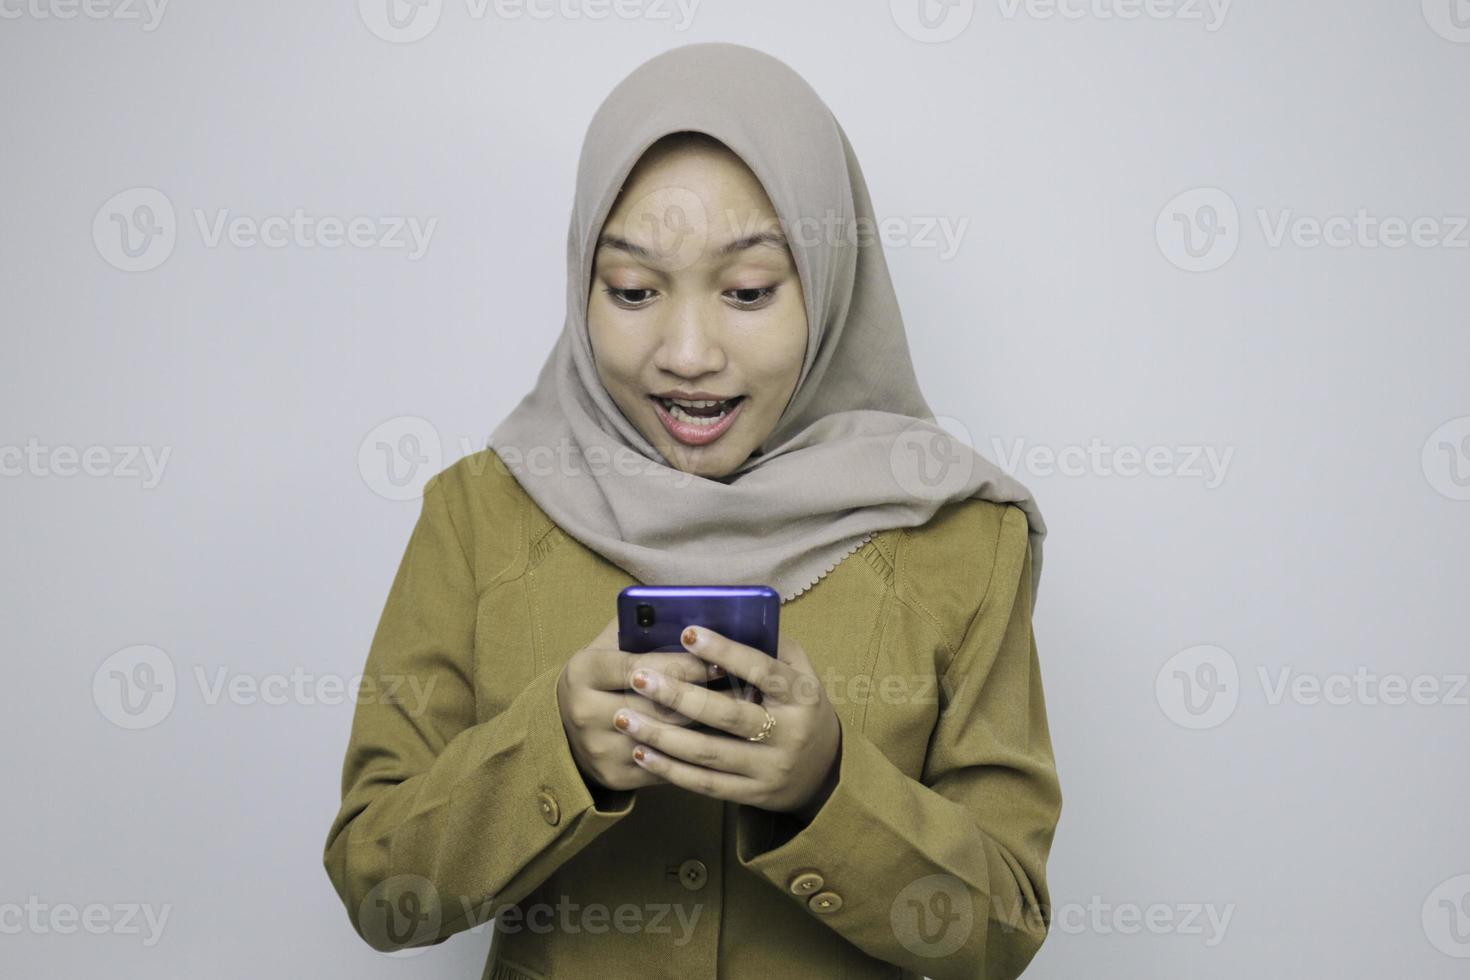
<point x="651" y="617"/>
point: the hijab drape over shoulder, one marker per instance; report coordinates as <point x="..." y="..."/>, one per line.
<point x="856" y="450"/>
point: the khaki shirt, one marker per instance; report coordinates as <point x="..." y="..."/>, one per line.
<point x="461" y="799"/>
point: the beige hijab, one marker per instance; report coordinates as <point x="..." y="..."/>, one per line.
<point x="855" y="451"/>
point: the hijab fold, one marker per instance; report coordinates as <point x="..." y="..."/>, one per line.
<point x="857" y="449"/>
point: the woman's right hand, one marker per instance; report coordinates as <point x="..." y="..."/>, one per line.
<point x="593" y="685"/>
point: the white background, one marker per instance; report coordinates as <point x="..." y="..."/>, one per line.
<point x="1333" y="541"/>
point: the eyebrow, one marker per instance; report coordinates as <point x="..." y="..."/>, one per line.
<point x="769" y="238"/>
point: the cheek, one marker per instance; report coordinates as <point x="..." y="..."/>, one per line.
<point x="617" y="351"/>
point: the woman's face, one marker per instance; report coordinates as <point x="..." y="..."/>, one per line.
<point x="695" y="295"/>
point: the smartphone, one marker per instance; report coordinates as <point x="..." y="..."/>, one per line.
<point x="652" y="617"/>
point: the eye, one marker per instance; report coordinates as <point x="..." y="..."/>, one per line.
<point x="629" y="298"/>
<point x="753" y="298"/>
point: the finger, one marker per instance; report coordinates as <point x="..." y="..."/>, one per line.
<point x="696" y="779"/>
<point x="773" y="677"/>
<point x="611" y="669"/>
<point x="716" y="709"/>
<point x="719" y="752"/>
<point x="609" y="703"/>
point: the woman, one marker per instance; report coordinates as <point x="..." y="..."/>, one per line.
<point x="731" y="401"/>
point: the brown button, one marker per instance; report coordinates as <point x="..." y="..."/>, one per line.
<point x="693" y="874"/>
<point x="806" y="882"/>
<point x="550" y="809"/>
<point x="825" y="902"/>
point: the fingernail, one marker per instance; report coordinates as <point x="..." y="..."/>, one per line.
<point x="690" y="637"/>
<point x="643" y="680"/>
<point x="638" y="753"/>
<point x="626" y="721"/>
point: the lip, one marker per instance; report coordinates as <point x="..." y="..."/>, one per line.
<point x="693" y="396"/>
<point x="695" y="435"/>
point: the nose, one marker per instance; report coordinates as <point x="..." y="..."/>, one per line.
<point x="690" y="346"/>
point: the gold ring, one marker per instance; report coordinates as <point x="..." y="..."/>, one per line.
<point x="765" y="731"/>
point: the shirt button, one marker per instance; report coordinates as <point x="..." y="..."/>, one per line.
<point x="806" y="882"/>
<point x="550" y="809"/>
<point x="825" y="902"/>
<point x="693" y="874"/>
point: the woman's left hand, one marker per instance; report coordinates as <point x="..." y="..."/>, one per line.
<point x="793" y="770"/>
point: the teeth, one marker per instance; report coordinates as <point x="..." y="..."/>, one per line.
<point x="700" y="404"/>
<point x="678" y="412"/>
<point x="676" y="409"/>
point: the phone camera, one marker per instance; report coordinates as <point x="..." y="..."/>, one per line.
<point x="644" y="614"/>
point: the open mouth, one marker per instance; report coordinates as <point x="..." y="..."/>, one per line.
<point x="697" y="423"/>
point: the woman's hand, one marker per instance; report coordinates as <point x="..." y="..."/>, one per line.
<point x="591" y="688"/>
<point x="792" y="771"/>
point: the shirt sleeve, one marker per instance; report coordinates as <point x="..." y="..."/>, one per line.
<point x="948" y="879"/>
<point x="444" y="821"/>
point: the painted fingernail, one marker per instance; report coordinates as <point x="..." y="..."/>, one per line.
<point x="626" y="722"/>
<point x="638" y="753"/>
<point x="640" y="679"/>
<point x="690" y="637"/>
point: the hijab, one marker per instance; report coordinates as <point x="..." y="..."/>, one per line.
<point x="856" y="450"/>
